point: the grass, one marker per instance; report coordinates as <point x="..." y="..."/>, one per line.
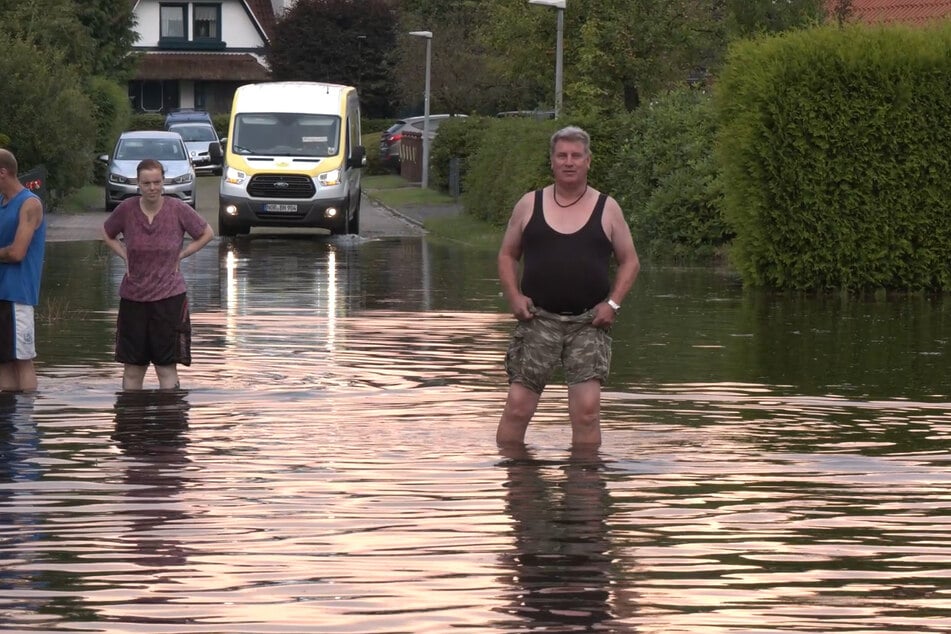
<point x="393" y="190"/>
<point x="88" y="198"/>
<point x="464" y="229"/>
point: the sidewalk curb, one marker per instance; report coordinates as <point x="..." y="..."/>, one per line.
<point x="395" y="212"/>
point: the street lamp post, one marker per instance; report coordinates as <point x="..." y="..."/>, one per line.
<point x="429" y="55"/>
<point x="559" y="5"/>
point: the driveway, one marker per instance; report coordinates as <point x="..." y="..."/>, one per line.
<point x="376" y="221"/>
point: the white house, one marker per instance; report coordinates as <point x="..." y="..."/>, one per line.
<point x="194" y="54"/>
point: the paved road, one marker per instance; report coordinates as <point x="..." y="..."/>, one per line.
<point x="375" y="221"/>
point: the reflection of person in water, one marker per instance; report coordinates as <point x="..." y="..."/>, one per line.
<point x="151" y="430"/>
<point x="19" y="452"/>
<point x="561" y="561"/>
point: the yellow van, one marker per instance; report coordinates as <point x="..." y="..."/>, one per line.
<point x="292" y="158"/>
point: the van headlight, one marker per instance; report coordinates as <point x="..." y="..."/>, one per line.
<point x="234" y="177"/>
<point x="119" y="178"/>
<point x="328" y="179"/>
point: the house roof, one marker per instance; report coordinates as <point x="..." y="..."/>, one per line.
<point x="262" y="11"/>
<point x="914" y="12"/>
<point x="201" y="67"/>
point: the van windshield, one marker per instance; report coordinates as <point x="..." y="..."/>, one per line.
<point x="286" y="134"/>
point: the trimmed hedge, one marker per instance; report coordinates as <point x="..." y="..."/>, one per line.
<point x="834" y="152"/>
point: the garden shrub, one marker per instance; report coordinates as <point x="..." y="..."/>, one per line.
<point x="834" y="152"/>
<point x="665" y="178"/>
<point x="47" y="115"/>
<point x="458" y="138"/>
<point x="511" y="160"/>
<point x="112" y="112"/>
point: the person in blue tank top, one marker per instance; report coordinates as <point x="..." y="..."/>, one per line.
<point x="22" y="246"/>
<point x="565" y="236"/>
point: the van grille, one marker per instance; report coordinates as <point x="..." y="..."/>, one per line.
<point x="281" y="186"/>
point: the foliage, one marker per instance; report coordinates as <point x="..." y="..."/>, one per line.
<point x="458" y="138"/>
<point x="111" y="25"/>
<point x="461" y="81"/>
<point x="666" y="179"/>
<point x="833" y="144"/>
<point x="339" y="41"/>
<point x="511" y="160"/>
<point x="50" y="120"/>
<point x="150" y="121"/>
<point x="50" y="25"/>
<point x="746" y="18"/>
<point x="112" y="113"/>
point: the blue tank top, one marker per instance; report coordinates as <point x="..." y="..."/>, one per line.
<point x="20" y="281"/>
<point x="566" y="273"/>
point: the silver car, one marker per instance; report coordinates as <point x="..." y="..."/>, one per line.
<point x="198" y="135"/>
<point x="133" y="147"/>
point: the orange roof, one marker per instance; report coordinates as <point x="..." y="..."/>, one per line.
<point x="915" y="12"/>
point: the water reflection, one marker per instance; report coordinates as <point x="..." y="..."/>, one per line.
<point x="151" y="431"/>
<point x="771" y="464"/>
<point x="560" y="568"/>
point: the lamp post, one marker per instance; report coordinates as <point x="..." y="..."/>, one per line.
<point x="429" y="54"/>
<point x="559" y="5"/>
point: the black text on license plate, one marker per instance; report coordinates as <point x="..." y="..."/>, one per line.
<point x="279" y="207"/>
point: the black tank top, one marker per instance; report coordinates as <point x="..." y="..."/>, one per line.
<point x="566" y="273"/>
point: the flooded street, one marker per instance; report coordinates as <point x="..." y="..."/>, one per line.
<point x="770" y="463"/>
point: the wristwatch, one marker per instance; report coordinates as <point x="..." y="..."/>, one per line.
<point x="613" y="304"/>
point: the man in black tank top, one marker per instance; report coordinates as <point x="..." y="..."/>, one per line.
<point x="565" y="302"/>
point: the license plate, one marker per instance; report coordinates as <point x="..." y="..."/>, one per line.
<point x="279" y="207"/>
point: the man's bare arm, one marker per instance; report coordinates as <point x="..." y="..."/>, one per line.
<point x="31" y="216"/>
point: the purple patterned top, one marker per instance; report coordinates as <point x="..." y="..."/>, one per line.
<point x="152" y="249"/>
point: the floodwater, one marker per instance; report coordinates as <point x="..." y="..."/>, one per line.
<point x="770" y="463"/>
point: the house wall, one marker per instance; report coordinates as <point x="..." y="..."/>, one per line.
<point x="237" y="29"/>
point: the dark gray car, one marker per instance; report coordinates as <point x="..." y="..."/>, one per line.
<point x="390" y="139"/>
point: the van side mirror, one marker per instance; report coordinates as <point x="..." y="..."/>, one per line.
<point x="358" y="157"/>
<point x="214" y="151"/>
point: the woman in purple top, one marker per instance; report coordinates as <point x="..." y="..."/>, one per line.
<point x="153" y="326"/>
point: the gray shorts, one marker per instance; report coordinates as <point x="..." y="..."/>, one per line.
<point x="541" y="344"/>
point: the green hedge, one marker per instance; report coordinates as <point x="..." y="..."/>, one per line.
<point x="666" y="180"/>
<point x="511" y="160"/>
<point x="834" y="146"/>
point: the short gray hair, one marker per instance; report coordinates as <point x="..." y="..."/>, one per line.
<point x="571" y="133"/>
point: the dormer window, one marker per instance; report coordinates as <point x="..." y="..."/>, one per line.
<point x="190" y="26"/>
<point x="207" y="22"/>
<point x="173" y="22"/>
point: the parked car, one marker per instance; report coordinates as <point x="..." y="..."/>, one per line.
<point x="198" y="136"/>
<point x="390" y="140"/>
<point x="539" y="115"/>
<point x="183" y="115"/>
<point x="132" y="147"/>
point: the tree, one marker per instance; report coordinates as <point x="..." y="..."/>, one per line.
<point x="46" y="113"/>
<point x="339" y="41"/>
<point x="462" y="80"/>
<point x="111" y="26"/>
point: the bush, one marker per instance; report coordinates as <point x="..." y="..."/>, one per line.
<point x="511" y="160"/>
<point x="47" y="115"/>
<point x="458" y="137"/>
<point x="834" y="146"/>
<point x="113" y="114"/>
<point x="667" y="181"/>
<point x="147" y="121"/>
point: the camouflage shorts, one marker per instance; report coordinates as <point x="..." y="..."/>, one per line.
<point x="541" y="344"/>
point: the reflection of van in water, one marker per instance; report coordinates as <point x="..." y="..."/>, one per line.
<point x="292" y="158"/>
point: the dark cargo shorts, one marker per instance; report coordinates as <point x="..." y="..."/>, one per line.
<point x="541" y="344"/>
